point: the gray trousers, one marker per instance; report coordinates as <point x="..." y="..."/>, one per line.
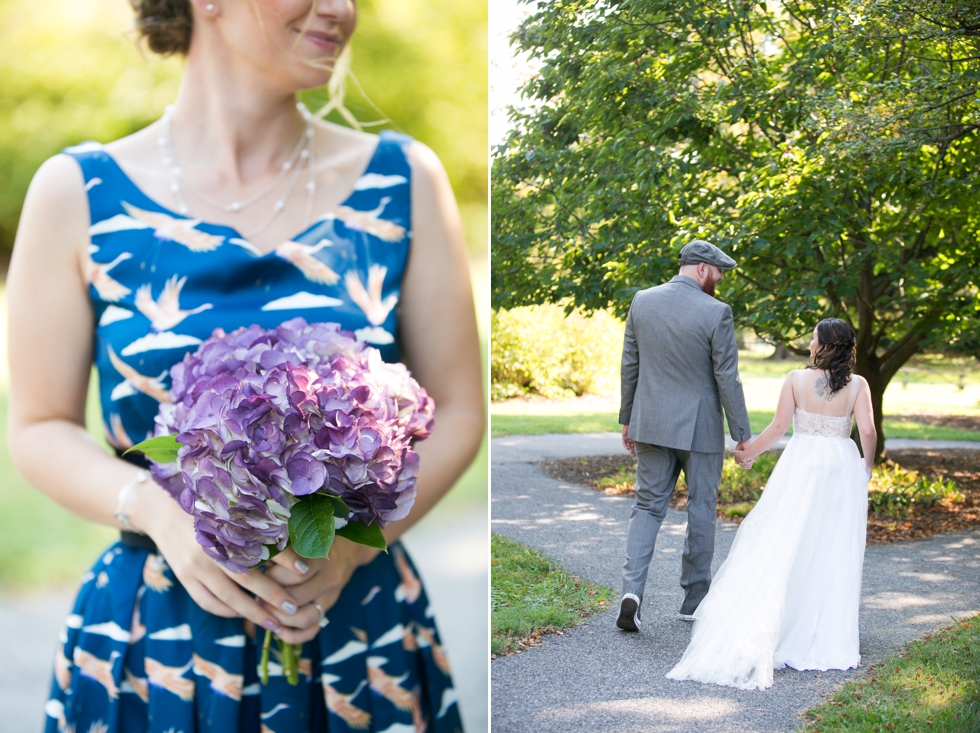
<point x="657" y="469"/>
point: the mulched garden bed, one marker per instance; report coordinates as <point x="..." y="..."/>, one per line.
<point x="960" y="465"/>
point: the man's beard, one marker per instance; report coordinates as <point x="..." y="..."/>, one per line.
<point x="708" y="286"/>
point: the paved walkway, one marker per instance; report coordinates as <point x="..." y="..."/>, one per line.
<point x="597" y="677"/>
<point x="449" y="547"/>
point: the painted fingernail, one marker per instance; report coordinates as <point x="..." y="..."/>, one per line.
<point x="270" y="625"/>
<point x="288" y="607"/>
<point x="302" y="566"/>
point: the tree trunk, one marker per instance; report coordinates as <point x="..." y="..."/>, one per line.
<point x="781" y="353"/>
<point x="877" y="385"/>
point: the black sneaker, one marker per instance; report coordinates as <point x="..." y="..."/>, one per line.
<point x="629" y="613"/>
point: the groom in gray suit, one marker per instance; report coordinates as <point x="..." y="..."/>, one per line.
<point x="680" y="367"/>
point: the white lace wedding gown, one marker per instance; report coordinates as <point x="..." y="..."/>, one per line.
<point x="787" y="595"/>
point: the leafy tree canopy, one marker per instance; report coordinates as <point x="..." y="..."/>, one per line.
<point x="830" y="147"/>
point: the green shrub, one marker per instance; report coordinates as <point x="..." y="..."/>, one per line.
<point x="738" y="490"/>
<point x="893" y="490"/>
<point x="621" y="482"/>
<point x="538" y="350"/>
<point x="737" y="510"/>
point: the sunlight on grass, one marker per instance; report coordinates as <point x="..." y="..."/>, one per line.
<point x="934" y="686"/>
<point x="932" y="385"/>
<point x="507" y="420"/>
<point x="530" y="594"/>
<point x="926" y="393"/>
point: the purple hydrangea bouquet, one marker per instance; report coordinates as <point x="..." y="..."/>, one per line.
<point x="288" y="437"/>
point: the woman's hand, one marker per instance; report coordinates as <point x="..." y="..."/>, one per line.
<point x="320" y="584"/>
<point x="213" y="588"/>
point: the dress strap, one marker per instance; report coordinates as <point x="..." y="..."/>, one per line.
<point x="852" y="396"/>
<point x="391" y="157"/>
<point x="102" y="179"/>
<point x="798" y="393"/>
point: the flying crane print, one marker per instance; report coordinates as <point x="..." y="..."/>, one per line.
<point x="164" y="312"/>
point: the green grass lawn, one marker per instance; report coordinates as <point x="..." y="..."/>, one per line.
<point x="509" y="423"/>
<point x="530" y="594"/>
<point x="934" y="686"/>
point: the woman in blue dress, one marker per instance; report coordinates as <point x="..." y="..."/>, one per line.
<point x="236" y="208"/>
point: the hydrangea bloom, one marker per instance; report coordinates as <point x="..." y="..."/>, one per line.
<point x="268" y="416"/>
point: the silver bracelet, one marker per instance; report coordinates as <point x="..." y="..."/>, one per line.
<point x="127" y="495"/>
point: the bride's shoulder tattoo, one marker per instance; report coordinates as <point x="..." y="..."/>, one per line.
<point x="821" y="386"/>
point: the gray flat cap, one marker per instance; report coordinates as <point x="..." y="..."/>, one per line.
<point x="697" y="250"/>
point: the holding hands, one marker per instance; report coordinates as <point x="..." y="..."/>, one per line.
<point x="739" y="454"/>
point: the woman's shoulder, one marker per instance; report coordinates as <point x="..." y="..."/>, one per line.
<point x="58" y="188"/>
<point x="55" y="215"/>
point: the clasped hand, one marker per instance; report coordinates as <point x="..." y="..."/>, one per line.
<point x="628" y="444"/>
<point x="284" y="598"/>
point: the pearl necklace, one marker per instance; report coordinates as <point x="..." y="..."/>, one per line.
<point x="303" y="154"/>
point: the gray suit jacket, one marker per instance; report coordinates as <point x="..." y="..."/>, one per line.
<point x="680" y="366"/>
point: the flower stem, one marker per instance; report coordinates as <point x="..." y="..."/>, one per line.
<point x="265" y="657"/>
<point x="290" y="662"/>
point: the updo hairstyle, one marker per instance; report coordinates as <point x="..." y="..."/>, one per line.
<point x="166" y="25"/>
<point x="837" y="352"/>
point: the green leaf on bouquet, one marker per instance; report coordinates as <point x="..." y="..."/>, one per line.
<point x="162" y="449"/>
<point x="340" y="509"/>
<point x="364" y="535"/>
<point x="311" y="526"/>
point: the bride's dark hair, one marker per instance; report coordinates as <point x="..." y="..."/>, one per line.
<point x="837" y="352"/>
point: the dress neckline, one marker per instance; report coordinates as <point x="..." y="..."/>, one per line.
<point x="237" y="234"/>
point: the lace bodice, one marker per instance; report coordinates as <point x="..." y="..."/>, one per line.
<point x="822" y="426"/>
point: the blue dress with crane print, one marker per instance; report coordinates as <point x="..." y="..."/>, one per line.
<point x="137" y="653"/>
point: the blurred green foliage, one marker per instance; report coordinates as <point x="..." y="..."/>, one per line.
<point x="540" y="350"/>
<point x="72" y="72"/>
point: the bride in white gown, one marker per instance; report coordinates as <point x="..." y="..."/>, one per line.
<point x="787" y="595"/>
